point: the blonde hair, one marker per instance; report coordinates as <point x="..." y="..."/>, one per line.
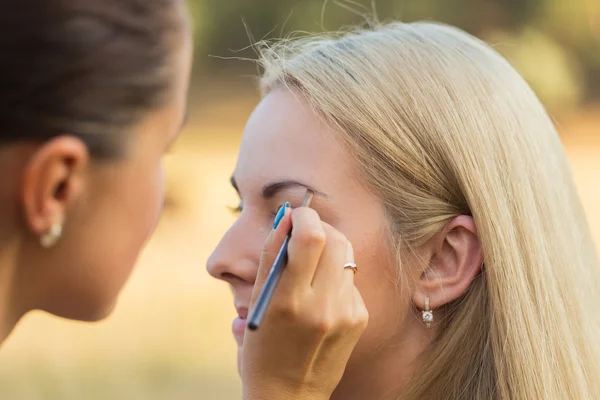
<point x="441" y="126"/>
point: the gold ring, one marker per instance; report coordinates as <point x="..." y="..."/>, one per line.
<point x="351" y="265"/>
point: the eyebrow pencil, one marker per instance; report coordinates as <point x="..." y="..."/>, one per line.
<point x="264" y="299"/>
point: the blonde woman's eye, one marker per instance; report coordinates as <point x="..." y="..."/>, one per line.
<point x="274" y="213"/>
<point x="236" y="210"/>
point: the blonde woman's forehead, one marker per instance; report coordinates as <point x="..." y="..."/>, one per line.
<point x="285" y="140"/>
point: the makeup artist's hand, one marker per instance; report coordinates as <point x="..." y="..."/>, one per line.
<point x="314" y="320"/>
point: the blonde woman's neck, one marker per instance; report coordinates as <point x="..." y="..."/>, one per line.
<point x="385" y="374"/>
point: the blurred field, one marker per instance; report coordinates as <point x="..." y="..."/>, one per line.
<point x="170" y="336"/>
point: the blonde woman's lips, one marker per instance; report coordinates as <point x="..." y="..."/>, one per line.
<point x="238" y="327"/>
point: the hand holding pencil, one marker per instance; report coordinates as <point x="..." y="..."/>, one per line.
<point x="312" y="316"/>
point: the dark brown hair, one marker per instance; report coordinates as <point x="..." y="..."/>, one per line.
<point x="88" y="68"/>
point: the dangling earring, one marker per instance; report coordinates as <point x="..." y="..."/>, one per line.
<point x="427" y="314"/>
<point x="50" y="238"/>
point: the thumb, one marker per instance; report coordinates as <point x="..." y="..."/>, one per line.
<point x="273" y="243"/>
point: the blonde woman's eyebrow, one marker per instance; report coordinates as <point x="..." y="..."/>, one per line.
<point x="271" y="189"/>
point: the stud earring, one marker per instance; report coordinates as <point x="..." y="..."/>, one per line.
<point x="50" y="238"/>
<point x="427" y="314"/>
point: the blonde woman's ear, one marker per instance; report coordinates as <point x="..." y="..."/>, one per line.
<point x="456" y="258"/>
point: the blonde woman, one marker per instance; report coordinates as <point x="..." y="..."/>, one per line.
<point x="431" y="154"/>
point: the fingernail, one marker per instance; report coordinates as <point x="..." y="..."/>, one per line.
<point x="280" y="214"/>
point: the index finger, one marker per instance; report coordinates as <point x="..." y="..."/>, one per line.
<point x="304" y="250"/>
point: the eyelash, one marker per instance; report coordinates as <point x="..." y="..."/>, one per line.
<point x="236" y="210"/>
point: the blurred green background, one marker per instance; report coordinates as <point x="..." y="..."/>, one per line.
<point x="170" y="336"/>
